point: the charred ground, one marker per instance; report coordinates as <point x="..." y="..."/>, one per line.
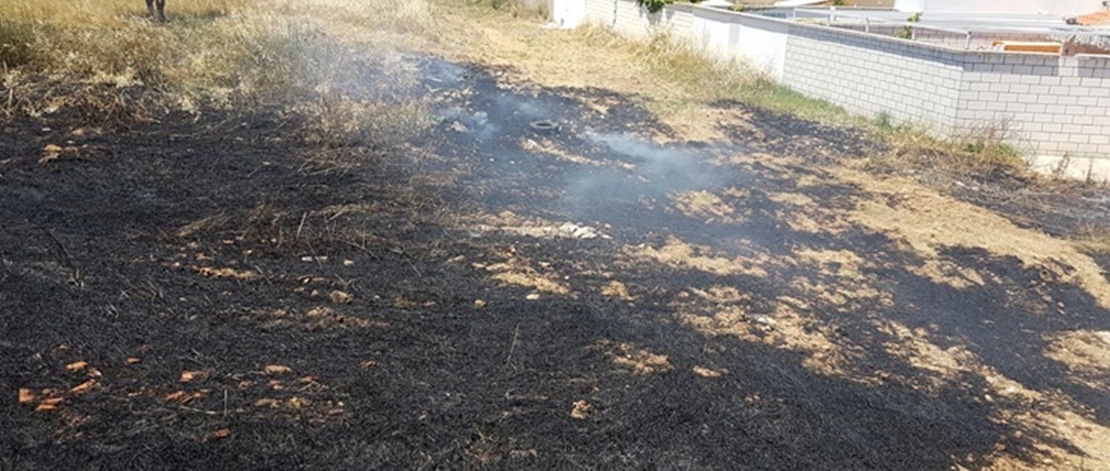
<point x="431" y="308"/>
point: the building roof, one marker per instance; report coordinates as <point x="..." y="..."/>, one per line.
<point x="1091" y="19"/>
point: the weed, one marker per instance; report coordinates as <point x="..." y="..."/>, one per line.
<point x="883" y="121"/>
<point x="908" y="30"/>
<point x="708" y="80"/>
<point x="15" y="43"/>
<point x="343" y="121"/>
<point x="653" y="6"/>
<point x="1094" y="239"/>
<point x="976" y="150"/>
<point x="988" y="141"/>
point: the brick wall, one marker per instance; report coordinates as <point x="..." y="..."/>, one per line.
<point x="869" y="75"/>
<point x="1056" y="105"/>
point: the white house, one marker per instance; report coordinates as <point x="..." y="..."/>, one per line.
<point x="1045" y="7"/>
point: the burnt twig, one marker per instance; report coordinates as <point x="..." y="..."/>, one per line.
<point x="512" y="346"/>
<point x="66" y="260"/>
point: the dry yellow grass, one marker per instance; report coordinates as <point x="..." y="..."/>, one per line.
<point x="106" y="60"/>
<point x="928" y="222"/>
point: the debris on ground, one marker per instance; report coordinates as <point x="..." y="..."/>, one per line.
<point x="581" y="410"/>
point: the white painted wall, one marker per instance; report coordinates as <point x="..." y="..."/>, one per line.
<point x="909" y="5"/>
<point x="757" y="42"/>
<point x="568" y="13"/>
<point x="763" y="44"/>
<point x="1048" y="7"/>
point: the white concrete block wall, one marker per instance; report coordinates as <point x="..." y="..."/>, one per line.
<point x="870" y="75"/>
<point x="1054" y="108"/>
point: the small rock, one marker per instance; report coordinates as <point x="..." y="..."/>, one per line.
<point x="188" y="376"/>
<point x="581" y="410"/>
<point x="51" y="152"/>
<point x="532" y="296"/>
<point x="584" y="233"/>
<point x="707" y="372"/>
<point x="83" y="387"/>
<point x="478" y="304"/>
<point x="1104" y="336"/>
<point x="278" y="369"/>
<point x="266" y="402"/>
<point x="340" y="297"/>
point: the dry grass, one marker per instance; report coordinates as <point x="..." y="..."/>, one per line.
<point x="928" y="222"/>
<point x="1094" y="240"/>
<point x="679" y="85"/>
<point x="978" y="150"/>
<point x="105" y="60"/>
<point x="972" y="150"/>
<point x="700" y="81"/>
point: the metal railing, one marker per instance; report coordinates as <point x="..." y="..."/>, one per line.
<point x="830" y="16"/>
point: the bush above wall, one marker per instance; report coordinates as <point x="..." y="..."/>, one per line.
<point x="654" y="6"/>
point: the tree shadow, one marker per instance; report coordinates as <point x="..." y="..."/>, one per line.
<point x="951" y="317"/>
<point x="165" y="236"/>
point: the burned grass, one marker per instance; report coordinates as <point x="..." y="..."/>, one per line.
<point x="260" y="289"/>
<point x="236" y="302"/>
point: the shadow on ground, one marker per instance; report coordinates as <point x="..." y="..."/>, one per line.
<point x="221" y="247"/>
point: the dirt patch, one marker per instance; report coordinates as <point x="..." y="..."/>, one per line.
<point x="705" y="204"/>
<point x="638" y="360"/>
<point x="679" y="254"/>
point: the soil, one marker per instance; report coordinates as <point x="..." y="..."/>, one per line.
<point x="239" y="303"/>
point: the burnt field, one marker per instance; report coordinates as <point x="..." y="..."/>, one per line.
<point x="216" y="293"/>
